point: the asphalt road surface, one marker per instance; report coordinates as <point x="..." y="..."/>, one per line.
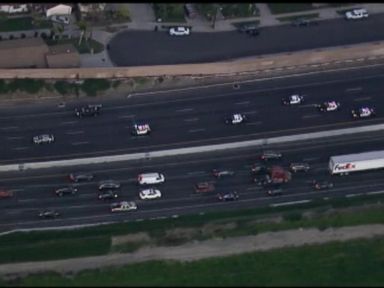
<point x="190" y="118"/>
<point x="140" y="48"/>
<point x="34" y="190"/>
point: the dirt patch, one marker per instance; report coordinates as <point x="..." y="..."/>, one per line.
<point x="137" y="237"/>
<point x="214" y="229"/>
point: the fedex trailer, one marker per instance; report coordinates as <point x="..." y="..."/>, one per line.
<point x="344" y="164"/>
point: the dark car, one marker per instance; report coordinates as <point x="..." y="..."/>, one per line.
<point x="49" y="213"/>
<point x="88" y="110"/>
<point x="302" y="22"/>
<point x="109" y="184"/>
<point x="270" y="155"/>
<point x="204" y="187"/>
<point x="263" y="181"/>
<point x="222" y="173"/>
<point x="322" y="185"/>
<point x="259" y="169"/>
<point x="275" y="191"/>
<point x="298" y="167"/>
<point x="248" y="28"/>
<point x="80" y="176"/>
<point x="228" y="196"/>
<point x="66" y="191"/>
<point x="107" y="195"/>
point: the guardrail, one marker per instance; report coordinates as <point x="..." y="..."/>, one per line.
<point x="190" y="150"/>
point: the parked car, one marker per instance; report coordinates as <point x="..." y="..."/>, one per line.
<point x="222" y="173"/>
<point x="69" y="190"/>
<point x="109" y="184"/>
<point x="302" y="22"/>
<point x="149" y="194"/>
<point x="204" y="187"/>
<point x="107" y="195"/>
<point x="299" y="166"/>
<point x="43" y="139"/>
<point x="123" y="206"/>
<point x="48" y="213"/>
<point x="80" y="176"/>
<point x="179" y="31"/>
<point x="228" y="196"/>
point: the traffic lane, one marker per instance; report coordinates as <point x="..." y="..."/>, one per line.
<point x="158" y="48"/>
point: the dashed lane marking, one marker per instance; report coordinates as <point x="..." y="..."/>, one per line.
<point x="362" y="99"/>
<point x="74" y="132"/>
<point x="79" y="143"/>
<point x="185" y="110"/>
<point x="196" y="130"/>
<point x="243" y="103"/>
<point x="191" y="119"/>
<point x="310" y="116"/>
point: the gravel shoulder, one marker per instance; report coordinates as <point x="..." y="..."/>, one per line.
<point x="199" y="250"/>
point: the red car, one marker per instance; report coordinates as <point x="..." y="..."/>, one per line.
<point x="204" y="187"/>
<point x="5" y="194"/>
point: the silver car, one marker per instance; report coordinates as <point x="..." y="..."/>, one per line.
<point x="43" y="139"/>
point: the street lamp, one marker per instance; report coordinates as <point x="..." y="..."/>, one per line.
<point x="218" y="8"/>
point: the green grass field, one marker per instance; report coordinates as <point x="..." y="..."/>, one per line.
<point x="169" y="12"/>
<point x="353" y="263"/>
<point x="293" y="18"/>
<point x="22" y="23"/>
<point x="84" y="47"/>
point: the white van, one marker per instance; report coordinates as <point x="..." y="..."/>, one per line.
<point x="150" y="178"/>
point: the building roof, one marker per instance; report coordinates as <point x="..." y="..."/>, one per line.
<point x="63" y="56"/>
<point x="59" y="10"/>
<point x="23" y="53"/>
<point x="365" y="156"/>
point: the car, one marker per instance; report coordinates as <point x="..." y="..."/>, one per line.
<point x="275" y="191"/>
<point x="253" y="32"/>
<point x="179" y="31"/>
<point x="221" y="173"/>
<point x="109" y="184"/>
<point x="88" y="110"/>
<point x="141" y="129"/>
<point x="263" y="180"/>
<point x="363" y="112"/>
<point x="43" y="139"/>
<point x="150" y="178"/>
<point x="293" y="100"/>
<point x="80" y="176"/>
<point x="302" y="22"/>
<point x="322" y="185"/>
<point x="329" y="106"/>
<point x="149" y="194"/>
<point x="247" y="27"/>
<point x="236" y="118"/>
<point x="204" y="187"/>
<point x="5" y="194"/>
<point x="228" y="196"/>
<point x="69" y="190"/>
<point x="123" y="206"/>
<point x="107" y="195"/>
<point x="48" y="213"/>
<point x="356" y="14"/>
<point x="259" y="169"/>
<point x="298" y="167"/>
<point x="270" y="155"/>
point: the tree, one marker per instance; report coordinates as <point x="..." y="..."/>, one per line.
<point x="83" y="28"/>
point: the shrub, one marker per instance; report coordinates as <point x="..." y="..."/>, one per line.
<point x="23" y="35"/>
<point x="293" y="216"/>
<point x="92" y="86"/>
<point x="63" y="87"/>
<point x="28" y="85"/>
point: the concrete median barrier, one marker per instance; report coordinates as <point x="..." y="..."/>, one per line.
<point x="190" y="150"/>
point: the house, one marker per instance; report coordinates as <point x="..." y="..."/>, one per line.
<point x="23" y="53"/>
<point x="13" y="8"/>
<point x="63" y="56"/>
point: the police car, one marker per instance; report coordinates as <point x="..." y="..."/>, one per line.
<point x="329" y="106"/>
<point x="149" y="194"/>
<point x="141" y="129"/>
<point x="123" y="206"/>
<point x="236" y="119"/>
<point x="363" y="112"/>
<point x="43" y="139"/>
<point x="293" y="100"/>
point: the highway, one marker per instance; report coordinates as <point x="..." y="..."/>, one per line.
<point x="34" y="190"/>
<point x="140" y="48"/>
<point x="190" y="118"/>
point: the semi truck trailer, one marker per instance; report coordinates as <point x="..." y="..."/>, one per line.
<point x="344" y="164"/>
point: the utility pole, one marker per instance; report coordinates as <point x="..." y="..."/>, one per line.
<point x="215" y="16"/>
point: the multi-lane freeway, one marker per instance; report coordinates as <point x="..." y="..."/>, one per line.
<point x="34" y="190"/>
<point x="190" y="118"/>
<point x="138" y="48"/>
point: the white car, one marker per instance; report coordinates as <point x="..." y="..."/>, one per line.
<point x="150" y="178"/>
<point x="141" y="129"/>
<point x="123" y="206"/>
<point x="356" y="14"/>
<point x="149" y="194"/>
<point x="293" y="100"/>
<point x="44" y="138"/>
<point x="329" y="106"/>
<point x="179" y="31"/>
<point x="363" y="112"/>
<point x="236" y="119"/>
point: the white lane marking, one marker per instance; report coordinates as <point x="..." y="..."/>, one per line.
<point x="127" y="116"/>
<point x="251" y="112"/>
<point x="310" y="116"/>
<point x="9" y="128"/>
<point x="307" y="105"/>
<point x="196" y="130"/>
<point x="362" y="99"/>
<point x="196" y="173"/>
<point x="290" y="203"/>
<point x="15" y="137"/>
<point x="68" y="122"/>
<point x="185" y="110"/>
<point x="310" y="159"/>
<point x="253" y="188"/>
<point x="253" y="123"/>
<point x="243" y="103"/>
<point x="355" y="89"/>
<point x="375" y="192"/>
<point x="354" y="195"/>
<point x="79" y="143"/>
<point x="74" y="132"/>
<point x="20" y="148"/>
<point x="16" y="190"/>
<point x="191" y="119"/>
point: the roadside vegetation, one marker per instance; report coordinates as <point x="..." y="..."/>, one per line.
<point x="228" y="10"/>
<point x="280" y="8"/>
<point x="22" y="23"/>
<point x="238" y="25"/>
<point x="352" y="263"/>
<point x="30" y="86"/>
<point x="293" y="18"/>
<point x="169" y="12"/>
<point x="101" y="240"/>
<point x="86" y="46"/>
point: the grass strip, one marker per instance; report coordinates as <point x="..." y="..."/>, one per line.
<point x="293" y="18"/>
<point x="23" y="23"/>
<point x="280" y="8"/>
